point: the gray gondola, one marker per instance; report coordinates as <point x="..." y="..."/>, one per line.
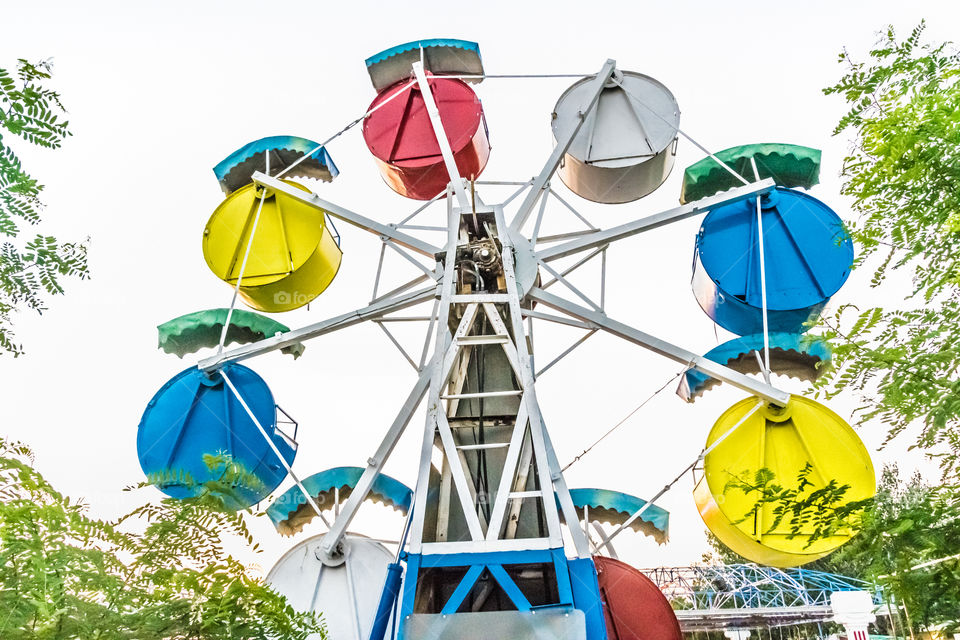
<point x="627" y="144"/>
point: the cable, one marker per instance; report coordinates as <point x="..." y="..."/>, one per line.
<point x="243" y="265"/>
<point x="627" y="417"/>
<point x="703" y="454"/>
<point x="518" y="75"/>
<point x="407" y="86"/>
<point x="246" y="255"/>
<point x="351" y="125"/>
<point x="273" y="447"/>
<point x="763" y="281"/>
<point x="683" y="133"/>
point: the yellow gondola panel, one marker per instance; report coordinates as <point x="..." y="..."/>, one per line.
<point x="783" y="440"/>
<point x="293" y="257"/>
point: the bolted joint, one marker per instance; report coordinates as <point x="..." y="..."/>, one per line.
<point x="332" y="554"/>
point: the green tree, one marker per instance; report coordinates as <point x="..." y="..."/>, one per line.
<point x="909" y="544"/>
<point x="30" y="269"/>
<point x="903" y="176"/>
<point x="158" y="573"/>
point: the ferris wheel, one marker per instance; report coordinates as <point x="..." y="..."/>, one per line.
<point x="495" y="544"/>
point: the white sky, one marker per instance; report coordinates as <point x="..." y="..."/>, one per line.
<point x="158" y="94"/>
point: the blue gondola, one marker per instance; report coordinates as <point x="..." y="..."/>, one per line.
<point x="194" y="416"/>
<point x="808" y="258"/>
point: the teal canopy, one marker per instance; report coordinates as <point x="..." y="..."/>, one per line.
<point x="236" y="170"/>
<point x="791" y="354"/>
<point x="290" y="512"/>
<point x="441" y="56"/>
<point x="615" y="507"/>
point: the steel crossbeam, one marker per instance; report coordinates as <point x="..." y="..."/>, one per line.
<point x="599" y="238"/>
<point x="342" y="321"/>
<point x="340" y="213"/>
<point x="563" y="143"/>
<point x="662" y="347"/>
<point x="331" y="541"/>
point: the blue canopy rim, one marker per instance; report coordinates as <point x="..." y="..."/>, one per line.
<point x="616" y="507"/>
<point x="797" y="355"/>
<point x="291" y="512"/>
<point x="236" y="169"/>
<point x="416" y="45"/>
<point x="440" y="56"/>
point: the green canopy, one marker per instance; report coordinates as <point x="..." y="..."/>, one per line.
<point x="192" y="332"/>
<point x="790" y="165"/>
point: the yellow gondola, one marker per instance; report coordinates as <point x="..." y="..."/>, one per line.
<point x="782" y="440"/>
<point x="294" y="255"/>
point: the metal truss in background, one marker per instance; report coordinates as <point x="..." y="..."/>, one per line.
<point x="714" y="597"/>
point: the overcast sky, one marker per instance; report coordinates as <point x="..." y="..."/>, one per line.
<point x="159" y="93"/>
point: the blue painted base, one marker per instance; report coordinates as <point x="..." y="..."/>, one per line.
<point x="576" y="583"/>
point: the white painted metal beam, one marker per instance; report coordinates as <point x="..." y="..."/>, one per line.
<point x="662" y="347"/>
<point x="550" y="474"/>
<point x="448" y="160"/>
<point x="331" y="541"/>
<point x="340" y="213"/>
<point x="550" y="166"/>
<point x="441" y="361"/>
<point x="329" y="325"/>
<point x="599" y="238"/>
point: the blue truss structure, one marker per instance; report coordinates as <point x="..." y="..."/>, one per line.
<point x="751" y="586"/>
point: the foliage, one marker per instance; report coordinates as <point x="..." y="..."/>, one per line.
<point x="30" y="270"/>
<point x="909" y="544"/>
<point x="808" y="510"/>
<point x="903" y="176"/>
<point x="159" y="572"/>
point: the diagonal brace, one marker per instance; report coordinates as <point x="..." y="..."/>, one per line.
<point x="563" y="143"/>
<point x="340" y="213"/>
<point x="331" y="541"/>
<point x="664" y="348"/>
<point x="599" y="238"/>
<point x="329" y="325"/>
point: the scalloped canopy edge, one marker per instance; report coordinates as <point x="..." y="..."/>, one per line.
<point x="291" y="512"/>
<point x="235" y="170"/>
<point x="441" y="56"/>
<point x="790" y="165"/>
<point x="194" y="331"/>
<point x="466" y="45"/>
<point x="797" y="355"/>
<point x="615" y="507"/>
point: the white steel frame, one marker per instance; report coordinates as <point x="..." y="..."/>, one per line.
<point x="434" y="372"/>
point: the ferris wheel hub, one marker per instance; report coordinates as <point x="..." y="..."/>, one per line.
<point x="332" y="557"/>
<point x="776" y="413"/>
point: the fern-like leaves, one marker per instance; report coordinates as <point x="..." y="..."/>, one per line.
<point x="30" y="271"/>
